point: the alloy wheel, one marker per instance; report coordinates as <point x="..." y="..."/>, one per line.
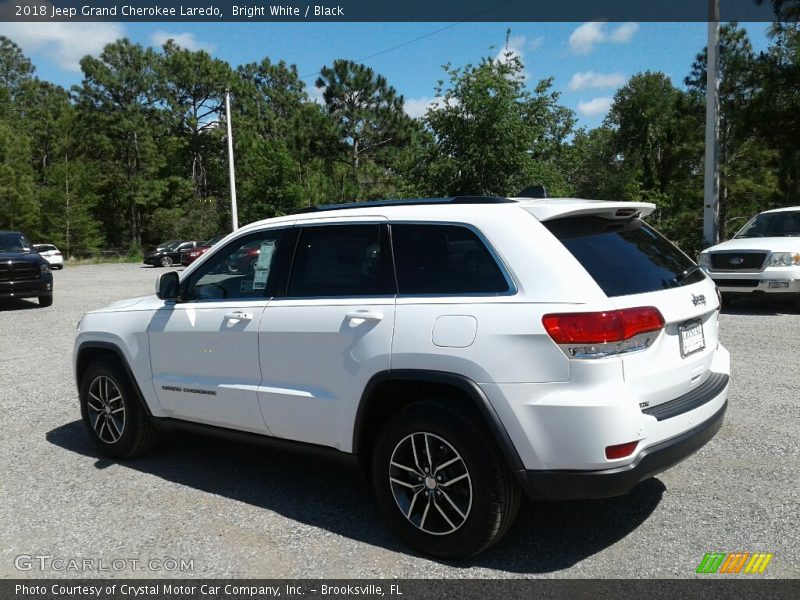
<point x="106" y="409"/>
<point x="430" y="483"/>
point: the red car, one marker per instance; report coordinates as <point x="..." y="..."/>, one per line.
<point x="193" y="254"/>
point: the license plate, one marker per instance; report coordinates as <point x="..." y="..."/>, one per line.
<point x="691" y="336"/>
<point x="779" y="284"/>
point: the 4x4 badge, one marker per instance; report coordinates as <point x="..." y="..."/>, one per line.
<point x="696" y="300"/>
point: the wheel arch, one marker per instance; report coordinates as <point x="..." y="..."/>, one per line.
<point x="383" y="395"/>
<point x="90" y="351"/>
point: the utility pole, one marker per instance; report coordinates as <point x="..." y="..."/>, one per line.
<point x="234" y="209"/>
<point x="711" y="188"/>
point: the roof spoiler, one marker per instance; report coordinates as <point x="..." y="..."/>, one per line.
<point x="533" y="191"/>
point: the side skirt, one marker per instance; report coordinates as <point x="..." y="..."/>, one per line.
<point x="166" y="425"/>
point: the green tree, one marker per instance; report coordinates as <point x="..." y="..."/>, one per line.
<point x="193" y="85"/>
<point x="117" y="105"/>
<point x="15" y="68"/>
<point x="18" y="206"/>
<point x="371" y="122"/>
<point x="597" y="170"/>
<point x="773" y="110"/>
<point x="745" y="177"/>
<point x="646" y="115"/>
<point x="491" y="135"/>
<point x="19" y="209"/>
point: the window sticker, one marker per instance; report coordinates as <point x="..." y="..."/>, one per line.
<point x="263" y="265"/>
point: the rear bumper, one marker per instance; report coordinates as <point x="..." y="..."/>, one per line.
<point x="572" y="485"/>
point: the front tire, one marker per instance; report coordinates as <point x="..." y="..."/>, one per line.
<point x="112" y="412"/>
<point x="441" y="481"/>
<point x="166" y="261"/>
<point x="45" y="301"/>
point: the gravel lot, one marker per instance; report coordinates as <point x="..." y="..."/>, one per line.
<point x="237" y="511"/>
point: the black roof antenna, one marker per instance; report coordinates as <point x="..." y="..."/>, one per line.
<point x="534" y="191"/>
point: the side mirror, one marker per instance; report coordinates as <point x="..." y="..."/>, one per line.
<point x="167" y="286"/>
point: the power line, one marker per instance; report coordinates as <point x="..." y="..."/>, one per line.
<point x="422" y="37"/>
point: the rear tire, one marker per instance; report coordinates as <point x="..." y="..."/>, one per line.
<point x="112" y="412"/>
<point x="45" y="301"/>
<point x="441" y="481"/>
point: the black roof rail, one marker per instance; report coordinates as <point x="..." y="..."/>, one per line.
<point x="407" y="202"/>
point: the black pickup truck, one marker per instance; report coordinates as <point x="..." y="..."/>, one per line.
<point x="23" y="273"/>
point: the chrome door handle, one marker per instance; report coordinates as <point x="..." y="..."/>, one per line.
<point x="239" y="316"/>
<point x="364" y="315"/>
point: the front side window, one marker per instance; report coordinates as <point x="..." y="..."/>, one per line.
<point x="444" y="259"/>
<point x="244" y="269"/>
<point x="341" y="260"/>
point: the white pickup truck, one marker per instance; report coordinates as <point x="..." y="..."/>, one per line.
<point x="762" y="258"/>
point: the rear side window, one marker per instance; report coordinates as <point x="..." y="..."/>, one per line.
<point x="342" y="260"/>
<point x="444" y="259"/>
<point x="625" y="258"/>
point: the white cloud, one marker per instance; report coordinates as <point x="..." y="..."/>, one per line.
<point x="516" y="47"/>
<point x="595" y="107"/>
<point x="315" y="93"/>
<point x="63" y="43"/>
<point x="587" y="36"/>
<point x="417" y="107"/>
<point x="590" y="79"/>
<point x="583" y="39"/>
<point x="624" y="33"/>
<point x="185" y="40"/>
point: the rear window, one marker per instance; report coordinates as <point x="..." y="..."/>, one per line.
<point x="341" y="261"/>
<point x="625" y="257"/>
<point x="443" y="260"/>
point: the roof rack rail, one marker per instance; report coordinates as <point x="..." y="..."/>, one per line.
<point x="408" y="202"/>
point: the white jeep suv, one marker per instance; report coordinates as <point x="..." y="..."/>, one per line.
<point x="763" y="258"/>
<point x="459" y="350"/>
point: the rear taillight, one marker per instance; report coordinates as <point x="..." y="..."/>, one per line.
<point x="620" y="450"/>
<point x="601" y="334"/>
<point x="602" y="327"/>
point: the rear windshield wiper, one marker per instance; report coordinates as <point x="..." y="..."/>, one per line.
<point x="686" y="273"/>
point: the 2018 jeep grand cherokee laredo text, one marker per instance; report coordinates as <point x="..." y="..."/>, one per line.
<point x="461" y="350"/>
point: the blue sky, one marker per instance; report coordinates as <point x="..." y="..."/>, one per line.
<point x="588" y="61"/>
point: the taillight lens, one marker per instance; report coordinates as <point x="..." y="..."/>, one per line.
<point x="602" y="327"/>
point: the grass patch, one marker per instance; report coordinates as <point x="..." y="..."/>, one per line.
<point x="102" y="260"/>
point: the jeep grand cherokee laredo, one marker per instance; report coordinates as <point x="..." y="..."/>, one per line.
<point x="23" y="273"/>
<point x="762" y="258"/>
<point x="460" y="350"/>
